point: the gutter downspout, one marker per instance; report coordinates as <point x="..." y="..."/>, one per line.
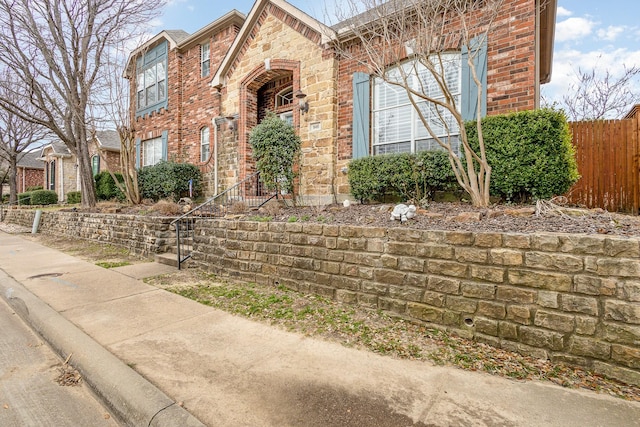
<point x="537" y="53"/>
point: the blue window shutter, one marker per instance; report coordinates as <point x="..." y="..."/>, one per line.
<point x="138" y="159"/>
<point x="361" y="95"/>
<point x="165" y="149"/>
<point x="469" y="105"/>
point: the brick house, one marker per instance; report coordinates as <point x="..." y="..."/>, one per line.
<point x="29" y="171"/>
<point x="196" y="97"/>
<point x="61" y="166"/>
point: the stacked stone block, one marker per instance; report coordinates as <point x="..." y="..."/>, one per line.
<point x="563" y="297"/>
<point x="140" y="234"/>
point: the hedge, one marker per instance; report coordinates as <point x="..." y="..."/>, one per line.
<point x="530" y="154"/>
<point x="24" y="198"/>
<point x="106" y="188"/>
<point x="74" y="197"/>
<point x="402" y="176"/>
<point x="44" y="197"/>
<point x="168" y="179"/>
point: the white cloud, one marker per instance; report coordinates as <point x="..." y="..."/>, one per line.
<point x="567" y="62"/>
<point x="574" y="29"/>
<point x="563" y="12"/>
<point x="612" y="32"/>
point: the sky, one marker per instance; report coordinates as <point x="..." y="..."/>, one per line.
<point x="590" y="34"/>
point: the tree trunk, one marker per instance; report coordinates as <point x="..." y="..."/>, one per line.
<point x="13" y="182"/>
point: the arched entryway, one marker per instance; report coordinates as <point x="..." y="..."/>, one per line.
<point x="269" y="87"/>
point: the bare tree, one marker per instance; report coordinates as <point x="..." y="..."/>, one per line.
<point x="16" y="134"/>
<point x="601" y="94"/>
<point x="56" y="47"/>
<point x="113" y="108"/>
<point x="407" y="45"/>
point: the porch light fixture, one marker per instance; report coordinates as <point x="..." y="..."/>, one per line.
<point x="302" y="101"/>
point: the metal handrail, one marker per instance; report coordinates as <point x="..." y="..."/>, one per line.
<point x="246" y="194"/>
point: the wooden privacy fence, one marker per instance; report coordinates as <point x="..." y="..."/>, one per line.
<point x="607" y="152"/>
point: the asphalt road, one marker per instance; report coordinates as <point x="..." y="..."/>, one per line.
<point x="29" y="393"/>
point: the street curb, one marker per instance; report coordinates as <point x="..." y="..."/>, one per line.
<point x="132" y="399"/>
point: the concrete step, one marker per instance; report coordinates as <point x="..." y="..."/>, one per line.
<point x="167" y="259"/>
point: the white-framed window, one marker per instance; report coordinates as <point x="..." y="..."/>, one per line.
<point x="205" y="59"/>
<point x="284" y="97"/>
<point x="95" y="164"/>
<point x="287" y="117"/>
<point x="397" y="127"/>
<point x="204" y="144"/>
<point x="151" y="80"/>
<point x="151" y="151"/>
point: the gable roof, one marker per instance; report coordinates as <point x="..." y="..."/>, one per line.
<point x="325" y="32"/>
<point x="58" y="147"/>
<point x="30" y="160"/>
<point x="108" y="140"/>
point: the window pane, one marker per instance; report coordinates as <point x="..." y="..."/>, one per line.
<point x="393" y="125"/>
<point x="151" y="95"/>
<point x="204" y="59"/>
<point x="141" y="102"/>
<point x="150" y="76"/>
<point x="140" y="82"/>
<point x="152" y="151"/>
<point x="287" y="117"/>
<point x="161" y="72"/>
<point x="162" y="90"/>
<point x="204" y="144"/>
<point x="401" y="147"/>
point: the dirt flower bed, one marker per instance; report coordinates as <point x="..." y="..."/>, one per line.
<point x="545" y="217"/>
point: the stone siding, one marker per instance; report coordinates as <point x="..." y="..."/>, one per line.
<point x="140" y="234"/>
<point x="568" y="298"/>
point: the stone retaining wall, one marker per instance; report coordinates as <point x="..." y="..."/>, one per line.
<point x="569" y="298"/>
<point x="142" y="235"/>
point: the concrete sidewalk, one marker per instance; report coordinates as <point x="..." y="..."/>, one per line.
<point x="146" y="352"/>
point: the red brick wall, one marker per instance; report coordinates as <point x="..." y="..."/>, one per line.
<point x="192" y="103"/>
<point x="511" y="78"/>
<point x="29" y="178"/>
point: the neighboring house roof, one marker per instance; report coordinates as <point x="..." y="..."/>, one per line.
<point x="108" y="140"/>
<point x="326" y="33"/>
<point x="58" y="149"/>
<point x="635" y="110"/>
<point x="178" y="36"/>
<point x="30" y="160"/>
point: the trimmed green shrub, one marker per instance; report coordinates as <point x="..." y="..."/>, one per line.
<point x="44" y="197"/>
<point x="276" y="148"/>
<point x="74" y="197"/>
<point x="168" y="179"/>
<point x="106" y="188"/>
<point x="34" y="188"/>
<point x="530" y="154"/>
<point x="24" y="198"/>
<point x="404" y="176"/>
